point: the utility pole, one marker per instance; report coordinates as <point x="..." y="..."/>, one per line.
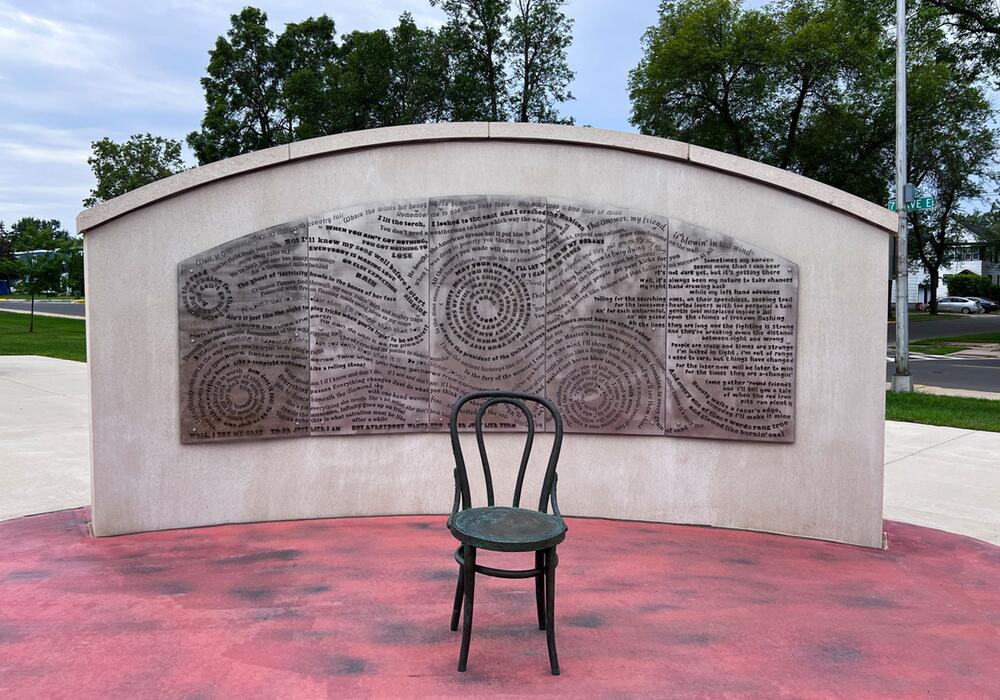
<point x="902" y="382"/>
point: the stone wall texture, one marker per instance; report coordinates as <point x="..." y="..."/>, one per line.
<point x="826" y="484"/>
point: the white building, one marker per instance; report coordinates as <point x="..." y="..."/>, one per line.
<point x="976" y="254"/>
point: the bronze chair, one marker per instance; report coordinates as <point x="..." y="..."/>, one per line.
<point x="503" y="529"/>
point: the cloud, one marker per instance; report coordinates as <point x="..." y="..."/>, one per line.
<point x="57" y="62"/>
<point x="74" y="71"/>
<point x="27" y="39"/>
<point x="11" y="151"/>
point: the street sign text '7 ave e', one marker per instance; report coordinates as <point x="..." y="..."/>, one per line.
<point x="918" y="204"/>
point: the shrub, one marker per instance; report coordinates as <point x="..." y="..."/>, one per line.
<point x="968" y="284"/>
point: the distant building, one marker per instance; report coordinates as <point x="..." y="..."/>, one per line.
<point x="22" y="254"/>
<point x="976" y="253"/>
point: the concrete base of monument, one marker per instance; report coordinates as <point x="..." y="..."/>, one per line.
<point x="360" y="607"/>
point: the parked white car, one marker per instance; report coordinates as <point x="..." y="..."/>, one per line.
<point x="964" y="305"/>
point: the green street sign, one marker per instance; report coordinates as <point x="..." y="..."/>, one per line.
<point x="918" y="204"/>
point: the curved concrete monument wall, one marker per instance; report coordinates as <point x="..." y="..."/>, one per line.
<point x="712" y="328"/>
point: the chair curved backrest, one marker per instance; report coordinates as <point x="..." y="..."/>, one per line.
<point x="493" y="398"/>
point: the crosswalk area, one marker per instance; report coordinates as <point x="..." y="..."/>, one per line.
<point x="917" y="356"/>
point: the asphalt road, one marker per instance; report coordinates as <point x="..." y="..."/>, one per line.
<point x="953" y="373"/>
<point x="49" y="307"/>
<point x="950" y="324"/>
<point x="950" y="372"/>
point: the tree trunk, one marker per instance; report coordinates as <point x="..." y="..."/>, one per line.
<point x="31" y="316"/>
<point x="793" y="127"/>
<point x="523" y="116"/>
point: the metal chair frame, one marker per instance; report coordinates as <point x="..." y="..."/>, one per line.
<point x="546" y="560"/>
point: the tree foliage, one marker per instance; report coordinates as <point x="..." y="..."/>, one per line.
<point x="474" y="38"/>
<point x="801" y="84"/>
<point x="975" y="26"/>
<point x="37" y="275"/>
<point x="29" y="233"/>
<point x="969" y="284"/>
<point x="952" y="145"/>
<point x="242" y="92"/>
<point x="61" y="250"/>
<point x="540" y="34"/>
<point x="123" y="167"/>
<point x="809" y="86"/>
<point x="263" y="89"/>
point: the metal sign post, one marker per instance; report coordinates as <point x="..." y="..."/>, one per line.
<point x="901" y="380"/>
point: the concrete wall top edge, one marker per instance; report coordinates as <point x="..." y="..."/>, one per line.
<point x="797" y="185"/>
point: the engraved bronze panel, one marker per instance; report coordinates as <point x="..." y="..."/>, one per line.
<point x="730" y="338"/>
<point x="368" y="319"/>
<point x="487" y="302"/>
<point x="377" y="318"/>
<point x="606" y="301"/>
<point x="244" y="337"/>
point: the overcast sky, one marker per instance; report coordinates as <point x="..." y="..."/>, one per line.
<point x="74" y="71"/>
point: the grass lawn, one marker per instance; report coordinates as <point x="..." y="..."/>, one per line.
<point x="950" y="344"/>
<point x="993" y="337"/>
<point x="933" y="348"/>
<point x="955" y="411"/>
<point x="53" y="337"/>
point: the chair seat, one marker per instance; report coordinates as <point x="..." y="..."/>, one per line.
<point x="503" y="529"/>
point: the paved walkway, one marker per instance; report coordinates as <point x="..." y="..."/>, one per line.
<point x="359" y="607"/>
<point x="44" y="435"/>
<point x="946" y="478"/>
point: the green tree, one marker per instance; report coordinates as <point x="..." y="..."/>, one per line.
<point x="418" y="90"/>
<point x="365" y="82"/>
<point x="986" y="226"/>
<point x="123" y="167"/>
<point x="29" y="233"/>
<point x="263" y="90"/>
<point x="804" y="85"/>
<point x="540" y="34"/>
<point x="38" y="274"/>
<point x="306" y="58"/>
<point x="62" y="251"/>
<point x="475" y="38"/>
<point x="975" y="25"/>
<point x="952" y="145"/>
<point x="707" y="75"/>
<point x="242" y="92"/>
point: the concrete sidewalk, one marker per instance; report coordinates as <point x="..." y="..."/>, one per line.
<point x="946" y="478"/>
<point x="44" y="435"/>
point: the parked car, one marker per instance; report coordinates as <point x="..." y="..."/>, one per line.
<point x="964" y="305"/>
<point x="987" y="305"/>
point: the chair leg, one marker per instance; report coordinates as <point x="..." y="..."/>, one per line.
<point x="550" y="608"/>
<point x="469" y="581"/>
<point x="459" y="594"/>
<point x="540" y="589"/>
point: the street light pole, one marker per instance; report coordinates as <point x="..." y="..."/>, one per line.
<point x="902" y="382"/>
